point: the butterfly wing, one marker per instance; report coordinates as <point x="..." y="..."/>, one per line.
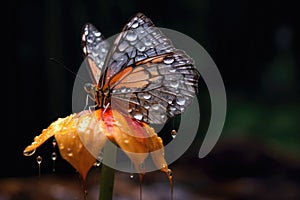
<point x="148" y="77"/>
<point x="95" y="48"/>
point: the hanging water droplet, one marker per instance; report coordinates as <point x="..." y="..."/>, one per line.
<point x="131" y="36"/>
<point x="85" y="193"/>
<point x="39" y="159"/>
<point x="54" y="143"/>
<point x="168" y="60"/>
<point x="53" y="156"/>
<point x="97" y="163"/>
<point x="170" y="177"/>
<point x="131" y="176"/>
<point x="173" y="133"/>
<point x="29" y="153"/>
<point x="170" y="173"/>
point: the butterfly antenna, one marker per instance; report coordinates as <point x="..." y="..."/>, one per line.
<point x="68" y="69"/>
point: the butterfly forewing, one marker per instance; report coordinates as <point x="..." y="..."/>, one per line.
<point x="95" y="48"/>
<point x="138" y="41"/>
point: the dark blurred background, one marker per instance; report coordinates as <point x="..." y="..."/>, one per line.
<point x="255" y="45"/>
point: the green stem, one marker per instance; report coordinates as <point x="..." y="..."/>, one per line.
<point x="108" y="173"/>
<point x="107" y="183"/>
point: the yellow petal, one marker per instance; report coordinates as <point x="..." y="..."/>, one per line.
<point x="137" y="140"/>
<point x="54" y="128"/>
<point x="65" y="131"/>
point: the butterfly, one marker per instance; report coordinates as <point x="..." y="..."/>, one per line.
<point x="141" y="74"/>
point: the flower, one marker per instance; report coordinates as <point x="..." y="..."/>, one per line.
<point x="82" y="135"/>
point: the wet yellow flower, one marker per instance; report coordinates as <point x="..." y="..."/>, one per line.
<point x="93" y="128"/>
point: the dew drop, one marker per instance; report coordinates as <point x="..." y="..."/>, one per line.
<point x="142" y="166"/>
<point x="100" y="156"/>
<point x="173" y="133"/>
<point x="172" y="70"/>
<point x="174" y="83"/>
<point x="123" y="46"/>
<point x="146" y="106"/>
<point x="61" y="146"/>
<point x="172" y="108"/>
<point x="140" y="47"/>
<point x="168" y="60"/>
<point x="135" y="24"/>
<point x="123" y="89"/>
<point x="70" y="154"/>
<point x="53" y="156"/>
<point x="138" y="116"/>
<point x="140" y="57"/>
<point x="29" y="153"/>
<point x="39" y="159"/>
<point x="97" y="34"/>
<point x="89" y="38"/>
<point x="126" y="141"/>
<point x="131" y="36"/>
<point x="180" y="101"/>
<point x="146" y="96"/>
<point x="155" y="106"/>
<point x="147" y="42"/>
